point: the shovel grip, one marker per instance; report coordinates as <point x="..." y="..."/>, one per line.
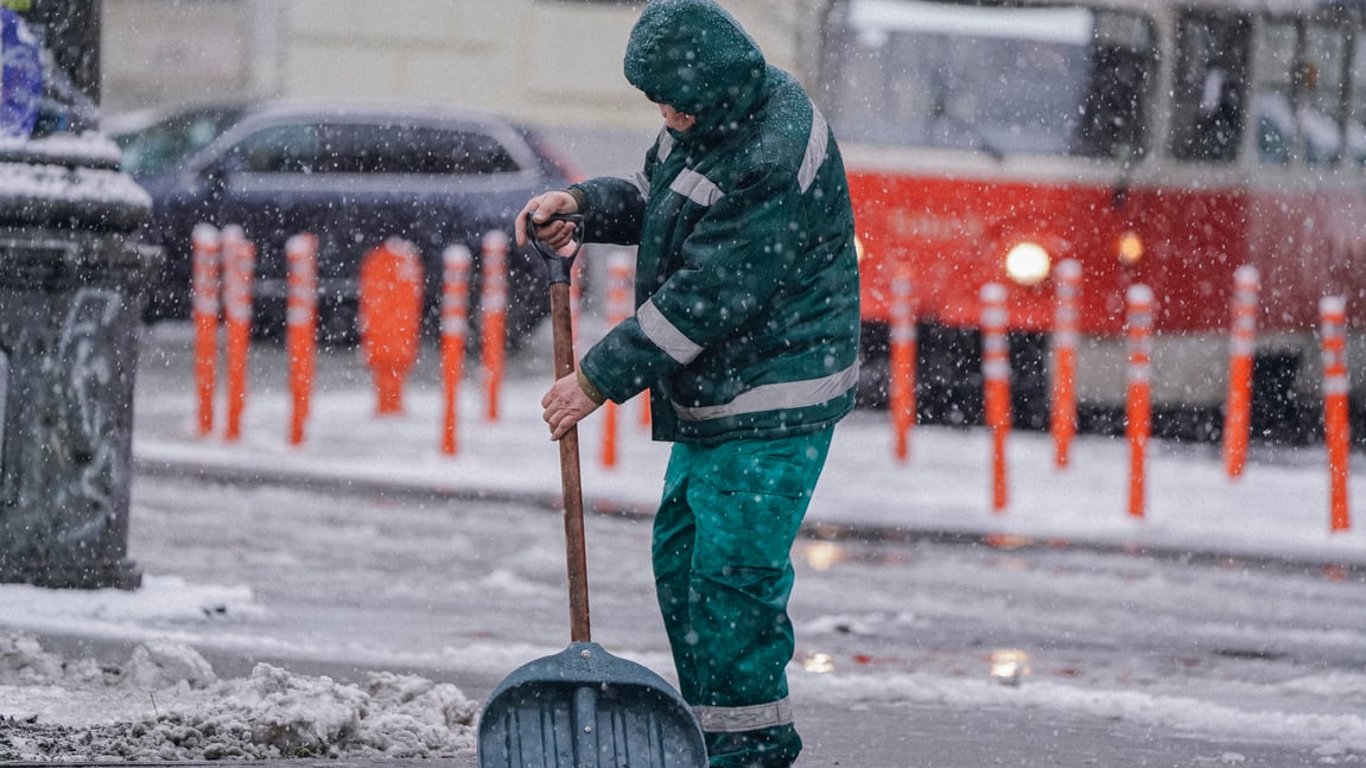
<point x="559" y="265"/>
<point x="579" y="625"/>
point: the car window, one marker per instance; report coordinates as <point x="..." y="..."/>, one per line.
<point x="412" y="149"/>
<point x="161" y="146"/>
<point x="293" y="148"/>
<point x="470" y="152"/>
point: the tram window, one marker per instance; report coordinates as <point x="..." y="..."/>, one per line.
<point x="1356" y="124"/>
<point x="1113" y="108"/>
<point x="1273" y="91"/>
<point x="1320" y="108"/>
<point x="1208" y="104"/>
<point x="995" y="79"/>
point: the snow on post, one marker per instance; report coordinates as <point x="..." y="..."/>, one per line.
<point x="301" y="321"/>
<point x="1138" y="404"/>
<point x="901" y="395"/>
<point x="206" y="247"/>
<point x="619" y="283"/>
<point x="455" y="310"/>
<point x="1336" y="427"/>
<point x="1242" y="342"/>
<point x="1066" y="332"/>
<point x="239" y="261"/>
<point x="390" y="317"/>
<point x="493" y="302"/>
<point x="996" y="385"/>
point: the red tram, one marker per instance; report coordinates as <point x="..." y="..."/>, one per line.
<point x="1154" y="141"/>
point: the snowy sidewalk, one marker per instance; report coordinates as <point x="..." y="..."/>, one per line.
<point x="1277" y="510"/>
<point x="294" y="597"/>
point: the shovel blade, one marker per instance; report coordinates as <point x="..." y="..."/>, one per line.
<point x="585" y="708"/>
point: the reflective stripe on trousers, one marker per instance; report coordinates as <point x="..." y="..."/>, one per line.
<point x="748" y="718"/>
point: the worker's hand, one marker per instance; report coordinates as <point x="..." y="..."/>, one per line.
<point x="556" y="234"/>
<point x="565" y="405"/>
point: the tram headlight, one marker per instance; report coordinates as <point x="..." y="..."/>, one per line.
<point x="1027" y="263"/>
<point x="858" y="248"/>
<point x="1129" y="248"/>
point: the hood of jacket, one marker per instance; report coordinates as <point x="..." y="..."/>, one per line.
<point x="693" y="56"/>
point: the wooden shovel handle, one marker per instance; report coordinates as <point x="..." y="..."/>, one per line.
<point x="562" y="328"/>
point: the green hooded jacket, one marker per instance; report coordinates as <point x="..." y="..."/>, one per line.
<point x="746" y="288"/>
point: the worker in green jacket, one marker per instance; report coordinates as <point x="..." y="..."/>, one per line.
<point x="745" y="332"/>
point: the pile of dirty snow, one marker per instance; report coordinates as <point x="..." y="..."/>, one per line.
<point x="166" y="703"/>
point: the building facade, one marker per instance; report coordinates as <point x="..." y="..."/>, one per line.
<point x="538" y="61"/>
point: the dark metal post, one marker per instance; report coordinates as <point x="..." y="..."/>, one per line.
<point x="72" y="272"/>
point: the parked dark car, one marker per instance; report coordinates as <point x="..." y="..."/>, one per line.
<point x="353" y="176"/>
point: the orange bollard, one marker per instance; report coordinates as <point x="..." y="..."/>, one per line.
<point x="618" y="309"/>
<point x="455" y="309"/>
<point x="207" y="247"/>
<point x="1337" y="434"/>
<point x="996" y="386"/>
<point x="1138" y="403"/>
<point x="1242" y="341"/>
<point x="901" y="391"/>
<point x="1066" y="333"/>
<point x="301" y="327"/>
<point x="493" y="302"/>
<point x="239" y="264"/>
<point x="390" y="316"/>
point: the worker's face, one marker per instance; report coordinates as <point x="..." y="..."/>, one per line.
<point x="676" y="120"/>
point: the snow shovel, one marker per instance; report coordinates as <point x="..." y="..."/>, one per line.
<point x="583" y="707"/>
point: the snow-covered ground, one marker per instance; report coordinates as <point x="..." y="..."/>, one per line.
<point x="462" y="589"/>
<point x="166" y="703"/>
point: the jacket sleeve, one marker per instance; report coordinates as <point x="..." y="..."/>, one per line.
<point x="734" y="260"/>
<point x="614" y="208"/>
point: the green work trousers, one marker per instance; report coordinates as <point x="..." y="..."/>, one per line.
<point x="723" y="573"/>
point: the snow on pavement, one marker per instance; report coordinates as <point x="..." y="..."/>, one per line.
<point x="166" y="704"/>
